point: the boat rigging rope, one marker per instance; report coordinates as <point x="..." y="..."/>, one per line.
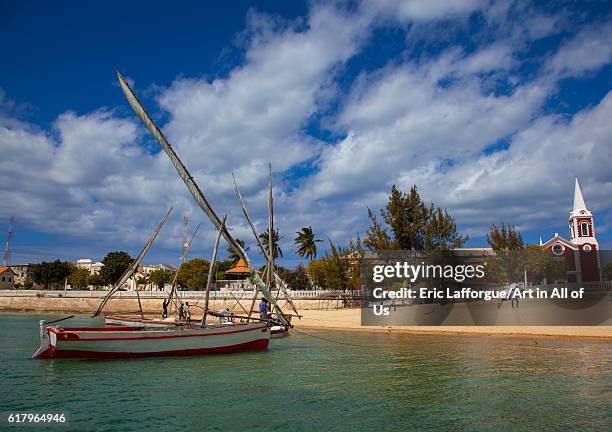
<point x="330" y="340"/>
<point x="60" y="319"/>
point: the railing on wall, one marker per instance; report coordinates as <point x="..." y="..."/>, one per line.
<point x="297" y="295"/>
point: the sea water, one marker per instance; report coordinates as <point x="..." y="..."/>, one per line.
<point x="358" y="382"/>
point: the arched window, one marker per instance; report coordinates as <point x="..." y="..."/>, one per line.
<point x="584" y="229"/>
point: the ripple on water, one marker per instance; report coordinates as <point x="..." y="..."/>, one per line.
<point x="392" y="382"/>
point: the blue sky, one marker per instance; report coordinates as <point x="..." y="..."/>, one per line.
<point x="491" y="108"/>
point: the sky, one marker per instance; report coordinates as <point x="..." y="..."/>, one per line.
<point x="491" y="108"/>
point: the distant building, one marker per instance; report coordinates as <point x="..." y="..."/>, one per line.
<point x="23" y="273"/>
<point x="93" y="267"/>
<point x="147" y="269"/>
<point x="7" y="278"/>
<point x="581" y="251"/>
<point x="143" y="271"/>
<point x="237" y="277"/>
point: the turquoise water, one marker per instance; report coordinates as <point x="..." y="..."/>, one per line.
<point x="391" y="383"/>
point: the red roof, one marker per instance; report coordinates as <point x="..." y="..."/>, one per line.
<point x="4" y="268"/>
<point x="239" y="268"/>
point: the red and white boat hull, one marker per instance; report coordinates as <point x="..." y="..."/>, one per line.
<point x="113" y="342"/>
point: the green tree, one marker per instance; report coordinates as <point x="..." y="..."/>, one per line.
<point x="115" y="264"/>
<point x="96" y="280"/>
<point x="505" y="238"/>
<point x="160" y="278"/>
<point x="142" y="281"/>
<point x="338" y="268"/>
<point x="407" y="216"/>
<point x="542" y="265"/>
<point x="409" y="224"/>
<point x="307" y="243"/>
<point x="51" y="274"/>
<point x="441" y="232"/>
<point x="377" y="237"/>
<point x="276" y="237"/>
<point x="221" y="267"/>
<point x="79" y="278"/>
<point x="317" y="270"/>
<point x="233" y="255"/>
<point x="193" y="274"/>
<point x="297" y="279"/>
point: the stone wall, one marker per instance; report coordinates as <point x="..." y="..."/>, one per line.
<point x="86" y="302"/>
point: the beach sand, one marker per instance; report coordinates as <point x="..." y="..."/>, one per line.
<point x="350" y="319"/>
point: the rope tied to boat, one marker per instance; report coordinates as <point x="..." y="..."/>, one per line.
<point x="330" y="340"/>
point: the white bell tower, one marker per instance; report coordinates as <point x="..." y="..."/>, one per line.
<point x="582" y="228"/>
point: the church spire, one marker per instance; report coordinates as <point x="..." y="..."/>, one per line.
<point x="581" y="226"/>
<point x="578" y="199"/>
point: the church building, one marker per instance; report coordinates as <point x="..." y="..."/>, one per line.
<point x="581" y="251"/>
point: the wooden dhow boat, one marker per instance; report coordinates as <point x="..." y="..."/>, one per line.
<point x="125" y="341"/>
<point x="142" y="340"/>
<point x="142" y="337"/>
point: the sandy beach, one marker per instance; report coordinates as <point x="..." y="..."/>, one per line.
<point x="350" y="319"/>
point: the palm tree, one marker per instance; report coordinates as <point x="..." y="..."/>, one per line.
<point x="233" y="256"/>
<point x="275" y="239"/>
<point x="307" y="244"/>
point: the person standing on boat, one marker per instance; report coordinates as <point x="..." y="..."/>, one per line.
<point x="180" y="311"/>
<point x="263" y="308"/>
<point x="187" y="313"/>
<point x="165" y="309"/>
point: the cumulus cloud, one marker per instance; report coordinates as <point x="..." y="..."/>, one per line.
<point x="461" y="121"/>
<point x="414" y="10"/>
<point x="91" y="175"/>
<point x="403" y="116"/>
<point x="585" y="52"/>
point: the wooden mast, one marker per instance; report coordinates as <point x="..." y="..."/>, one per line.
<point x="279" y="282"/>
<point x="133" y="266"/>
<point x="184" y="253"/>
<point x="271" y="241"/>
<point x="270" y="252"/>
<point x="211" y="271"/>
<point x="139" y="304"/>
<point x="193" y="187"/>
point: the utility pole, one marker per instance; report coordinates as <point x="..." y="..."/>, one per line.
<point x="6" y="260"/>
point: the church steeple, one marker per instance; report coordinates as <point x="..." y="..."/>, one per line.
<point x="578" y="199"/>
<point x="582" y="229"/>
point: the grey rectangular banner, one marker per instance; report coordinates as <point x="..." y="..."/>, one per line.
<point x="484" y="288"/>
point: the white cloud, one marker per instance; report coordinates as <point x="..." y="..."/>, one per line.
<point x="587" y="51"/>
<point x="532" y="180"/>
<point x="89" y="177"/>
<point x="496" y="57"/>
<point x="403" y="117"/>
<point x="415" y="10"/>
<point x="429" y="120"/>
<point x="257" y="112"/>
